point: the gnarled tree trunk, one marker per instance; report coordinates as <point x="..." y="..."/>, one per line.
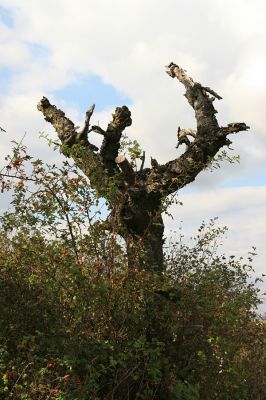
<point x="137" y="197"/>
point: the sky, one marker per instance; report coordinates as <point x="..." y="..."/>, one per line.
<point x="114" y="52"/>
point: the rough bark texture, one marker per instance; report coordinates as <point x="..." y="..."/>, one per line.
<point x="139" y="195"/>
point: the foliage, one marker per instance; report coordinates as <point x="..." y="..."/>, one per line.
<point x="133" y="150"/>
<point x="223" y="155"/>
<point x="76" y="324"/>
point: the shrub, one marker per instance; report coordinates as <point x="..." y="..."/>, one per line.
<point x="76" y="323"/>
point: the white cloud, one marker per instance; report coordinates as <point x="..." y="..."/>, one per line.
<point x="245" y="90"/>
<point x="127" y="43"/>
<point x="220" y="43"/>
<point x="242" y="210"/>
<point x="13" y="52"/>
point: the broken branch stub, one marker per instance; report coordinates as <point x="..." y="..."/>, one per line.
<point x="126" y="168"/>
<point x="234" y="127"/>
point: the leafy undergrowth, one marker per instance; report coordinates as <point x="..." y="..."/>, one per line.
<point x="89" y="330"/>
<point x="77" y="324"/>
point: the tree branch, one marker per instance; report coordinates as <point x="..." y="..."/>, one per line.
<point x="182" y="135"/>
<point x="111" y="142"/>
<point x="82" y="135"/>
<point x="208" y="140"/>
<point x="76" y="145"/>
<point x="234" y="127"/>
<point x="64" y="127"/>
<point x="199" y="99"/>
<point x="142" y="160"/>
<point x="161" y="180"/>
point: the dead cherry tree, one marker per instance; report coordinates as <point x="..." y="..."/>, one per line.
<point x="136" y="198"/>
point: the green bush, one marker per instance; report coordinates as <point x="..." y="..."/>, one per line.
<point x="76" y="324"/>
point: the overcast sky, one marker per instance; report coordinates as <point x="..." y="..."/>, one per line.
<point x="113" y="53"/>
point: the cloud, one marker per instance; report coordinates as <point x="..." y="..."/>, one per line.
<point x="48" y="46"/>
<point x="6" y="17"/>
<point x="242" y="210"/>
<point x="127" y="44"/>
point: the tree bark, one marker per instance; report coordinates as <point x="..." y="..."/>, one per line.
<point x="137" y="197"/>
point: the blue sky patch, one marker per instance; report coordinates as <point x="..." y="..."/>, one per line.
<point x="5" y="77"/>
<point x="6" y="17"/>
<point x="255" y="179"/>
<point x="38" y="51"/>
<point x="91" y="89"/>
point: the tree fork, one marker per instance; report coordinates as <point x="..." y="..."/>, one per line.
<point x="139" y="195"/>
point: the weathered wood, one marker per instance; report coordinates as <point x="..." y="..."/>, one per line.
<point x="128" y="171"/>
<point x="140" y="194"/>
<point x="112" y="135"/>
<point x="209" y="139"/>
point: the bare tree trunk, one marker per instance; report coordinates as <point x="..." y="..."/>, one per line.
<point x="137" y="197"/>
<point x="146" y="251"/>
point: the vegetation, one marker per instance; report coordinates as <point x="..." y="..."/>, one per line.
<point x="77" y="323"/>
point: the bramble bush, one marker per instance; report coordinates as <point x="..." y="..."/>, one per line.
<point x="77" y="324"/>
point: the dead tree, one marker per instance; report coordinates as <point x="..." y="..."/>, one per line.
<point x="136" y="198"/>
